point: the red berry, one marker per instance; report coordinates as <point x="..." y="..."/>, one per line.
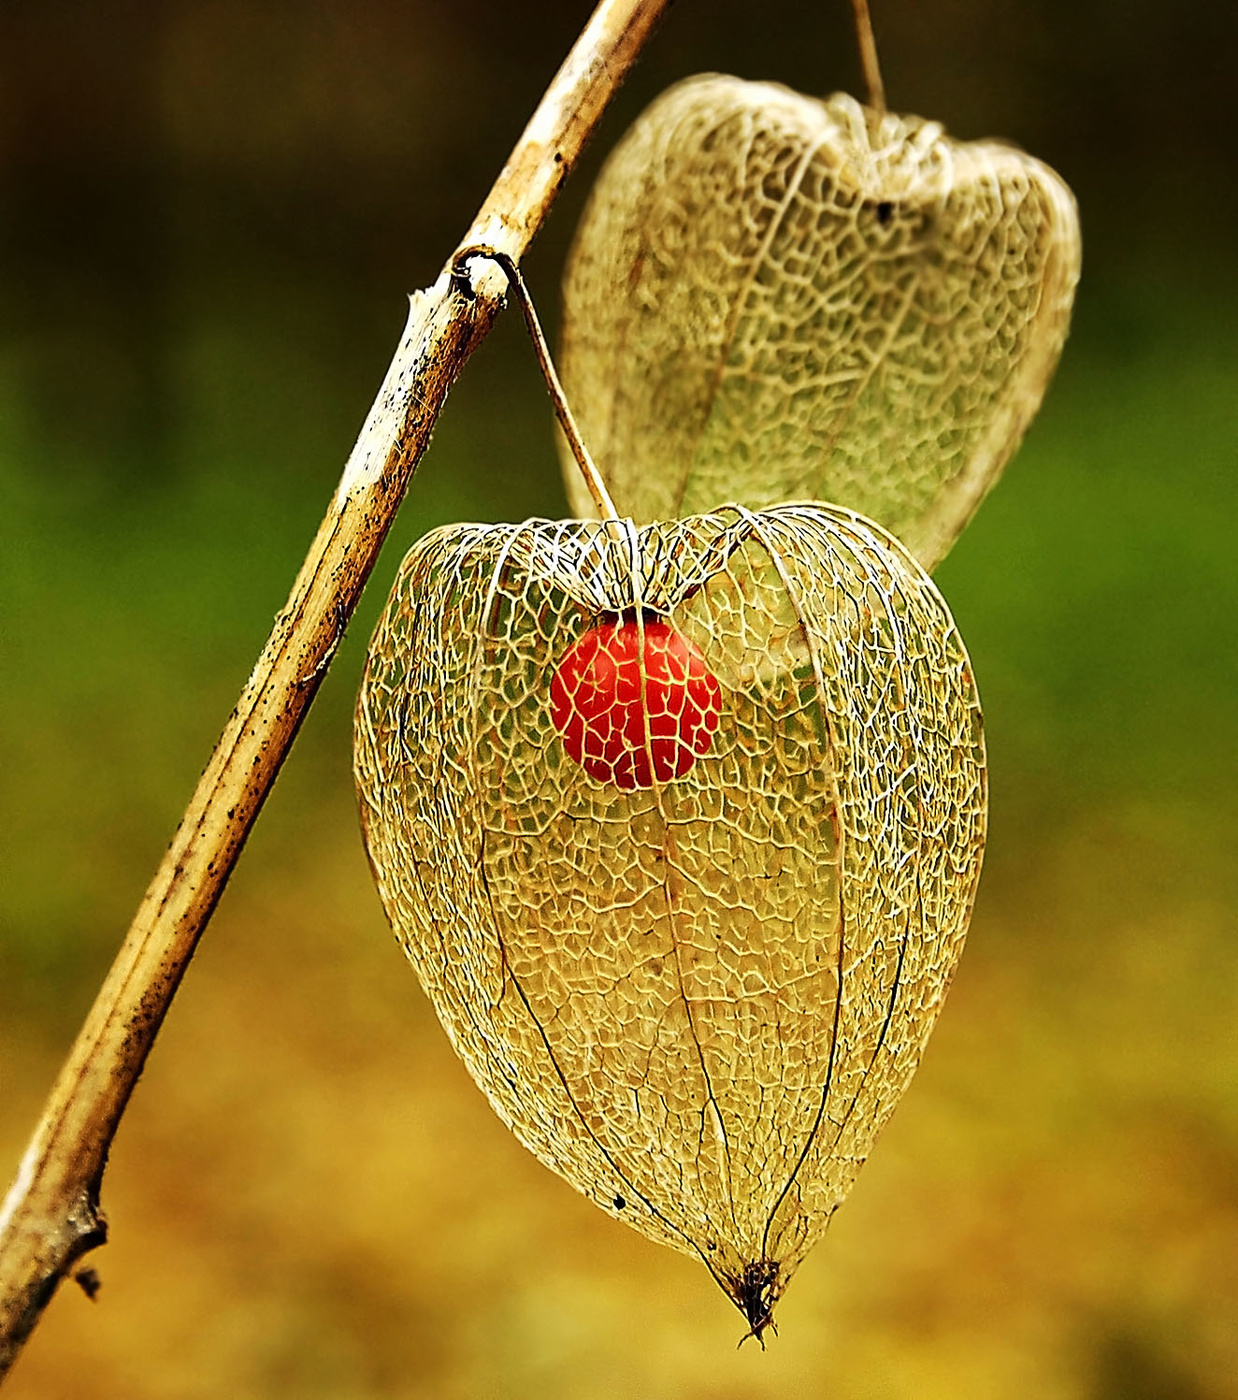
<point x="629" y="724"/>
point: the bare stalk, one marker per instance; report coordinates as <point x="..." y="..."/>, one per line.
<point x="868" y="55"/>
<point x="567" y="421"/>
<point x="51" y="1216"/>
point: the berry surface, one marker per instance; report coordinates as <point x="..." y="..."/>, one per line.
<point x="634" y="701"/>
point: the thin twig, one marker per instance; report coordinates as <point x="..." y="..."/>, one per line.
<point x="868" y="55"/>
<point x="567" y="421"/>
<point x="51" y="1217"/>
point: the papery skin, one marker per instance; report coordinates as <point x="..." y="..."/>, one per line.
<point x="697" y="1001"/>
<point x="771" y="297"/>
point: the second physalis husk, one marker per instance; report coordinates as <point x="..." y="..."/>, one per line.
<point x="773" y="297"/>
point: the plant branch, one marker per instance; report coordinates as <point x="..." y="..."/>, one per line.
<point x="51" y="1216"/>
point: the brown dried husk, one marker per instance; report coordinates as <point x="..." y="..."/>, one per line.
<point x="697" y="1002"/>
<point x="773" y="297"/>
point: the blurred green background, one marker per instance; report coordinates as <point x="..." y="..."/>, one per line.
<point x="209" y="214"/>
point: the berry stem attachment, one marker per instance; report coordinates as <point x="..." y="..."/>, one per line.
<point x="515" y="279"/>
<point x="868" y="55"/>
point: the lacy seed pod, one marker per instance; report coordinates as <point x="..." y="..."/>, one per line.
<point x="772" y="297"/>
<point x="697" y="988"/>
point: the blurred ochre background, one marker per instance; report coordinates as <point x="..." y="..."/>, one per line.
<point x="210" y="212"/>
